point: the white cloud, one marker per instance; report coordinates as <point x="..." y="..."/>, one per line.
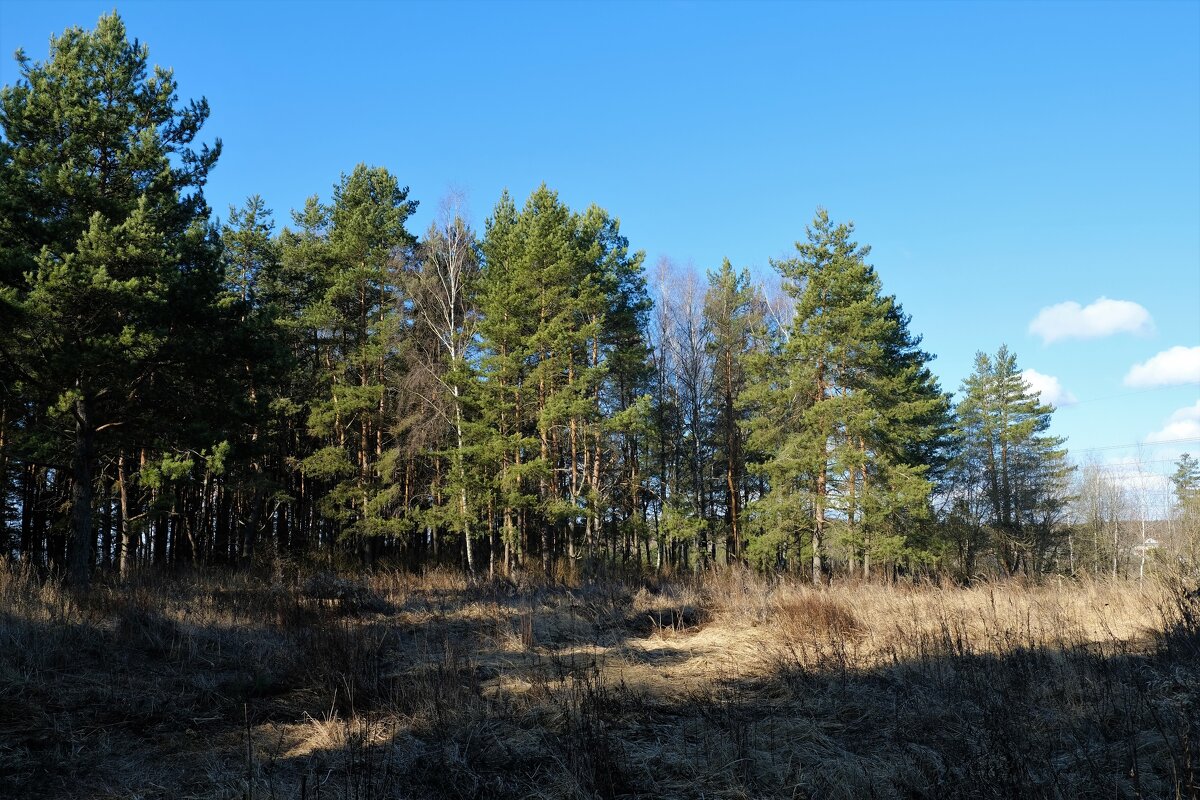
<point x="1183" y="424"/>
<point x="1104" y="317"/>
<point x="1049" y="388"/>
<point x="1169" y="368"/>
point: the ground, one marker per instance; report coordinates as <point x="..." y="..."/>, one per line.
<point x="734" y="685"/>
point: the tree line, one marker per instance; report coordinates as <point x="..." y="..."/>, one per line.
<point x="180" y="392"/>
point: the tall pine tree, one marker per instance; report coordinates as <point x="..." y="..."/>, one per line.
<point x="734" y="312"/>
<point x="112" y="272"/>
<point x="846" y="409"/>
<point x="350" y="251"/>
<point x="1021" y="470"/>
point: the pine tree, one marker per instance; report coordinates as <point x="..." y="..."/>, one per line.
<point x="1022" y="471"/>
<point x="348" y="251"/>
<point x="254" y="296"/>
<point x="1186" y="483"/>
<point x="113" y="270"/>
<point x="1186" y="478"/>
<point x="734" y="312"/>
<point x="903" y="442"/>
<point x="251" y="254"/>
<point x="613" y="346"/>
<point x="845" y="408"/>
<point x="562" y="310"/>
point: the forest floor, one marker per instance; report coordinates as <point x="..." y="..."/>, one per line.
<point x="391" y="685"/>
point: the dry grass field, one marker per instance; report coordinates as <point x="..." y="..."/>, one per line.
<point x="731" y="686"/>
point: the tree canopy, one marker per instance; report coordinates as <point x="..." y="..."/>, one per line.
<point x="522" y="395"/>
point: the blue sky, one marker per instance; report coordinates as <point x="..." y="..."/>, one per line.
<point x="1000" y="158"/>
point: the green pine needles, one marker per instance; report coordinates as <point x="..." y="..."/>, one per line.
<point x="180" y="391"/>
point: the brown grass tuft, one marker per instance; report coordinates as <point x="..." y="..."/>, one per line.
<point x="732" y="684"/>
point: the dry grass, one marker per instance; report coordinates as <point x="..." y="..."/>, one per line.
<point x="738" y="685"/>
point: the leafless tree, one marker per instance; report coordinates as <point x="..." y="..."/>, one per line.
<point x="439" y="283"/>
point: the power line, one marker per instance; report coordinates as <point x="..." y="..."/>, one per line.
<point x="1125" y="394"/>
<point x="1066" y="406"/>
<point x="1136" y="444"/>
<point x="1133" y="465"/>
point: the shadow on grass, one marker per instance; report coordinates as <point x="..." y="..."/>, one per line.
<point x="1030" y="724"/>
<point x="190" y="691"/>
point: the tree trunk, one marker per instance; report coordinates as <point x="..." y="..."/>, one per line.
<point x="82" y="542"/>
<point x="3" y="469"/>
<point x="106" y="525"/>
<point x="128" y="545"/>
